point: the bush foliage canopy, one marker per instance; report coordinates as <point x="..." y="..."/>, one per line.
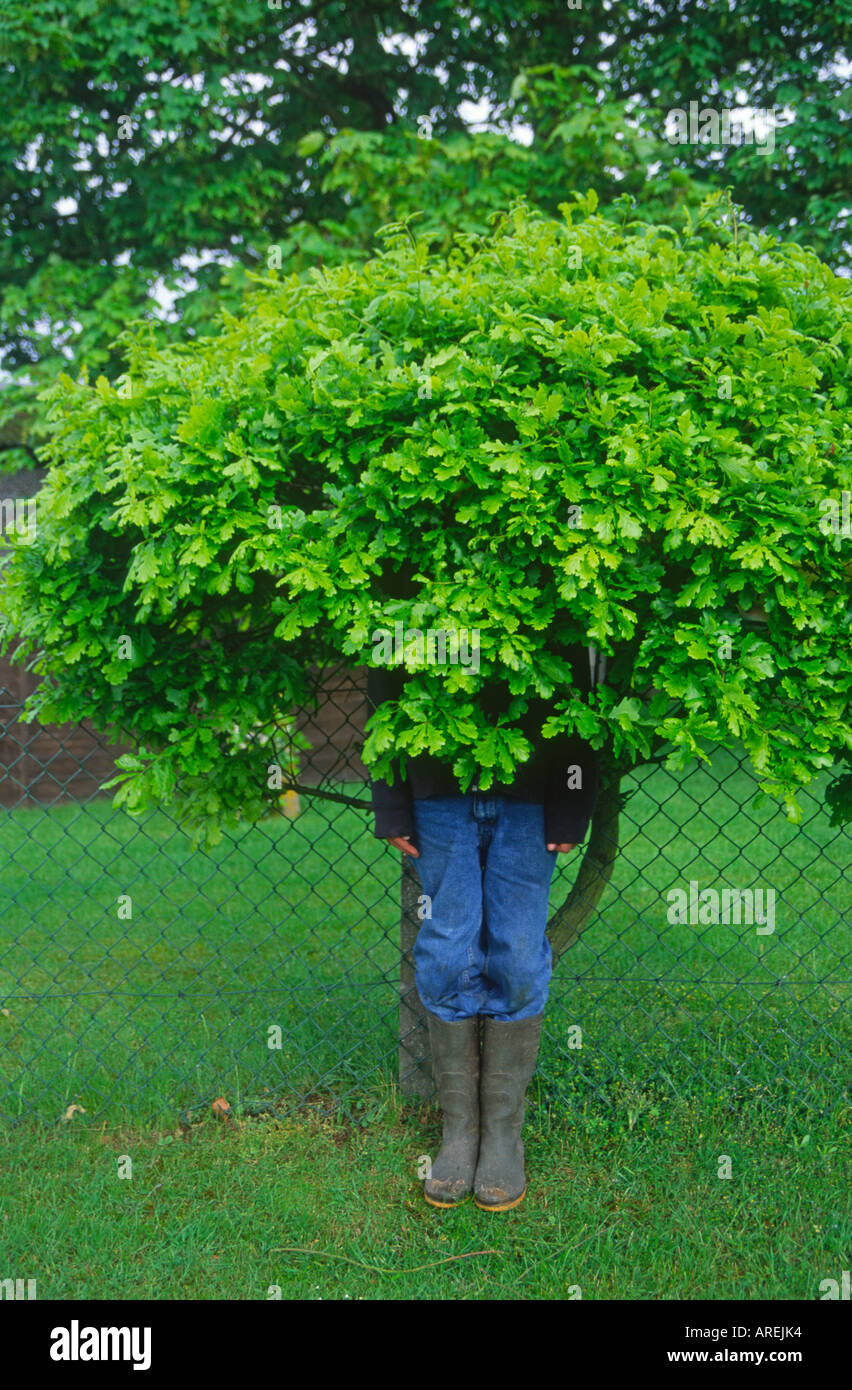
<point x="568" y="431"/>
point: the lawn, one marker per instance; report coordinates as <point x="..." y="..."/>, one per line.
<point x="319" y="1208"/>
<point x="140" y="979"/>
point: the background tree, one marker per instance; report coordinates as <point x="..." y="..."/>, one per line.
<point x="568" y="431"/>
<point x="140" y="136"/>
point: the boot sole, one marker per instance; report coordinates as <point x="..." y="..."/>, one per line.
<point x="502" y="1206"/>
<point x="445" y="1206"/>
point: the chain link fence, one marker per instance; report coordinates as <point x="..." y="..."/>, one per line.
<point x="141" y="977"/>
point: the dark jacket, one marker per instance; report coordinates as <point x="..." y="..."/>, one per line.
<point x="543" y="779"/>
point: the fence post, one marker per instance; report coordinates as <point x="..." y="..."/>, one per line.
<point x="415" y="1063"/>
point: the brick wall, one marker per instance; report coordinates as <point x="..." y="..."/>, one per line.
<point x="48" y="763"/>
<point x="336" y="730"/>
<point x="45" y="763"/>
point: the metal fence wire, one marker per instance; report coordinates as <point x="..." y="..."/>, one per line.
<point x="141" y="976"/>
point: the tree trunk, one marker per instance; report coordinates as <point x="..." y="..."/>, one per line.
<point x="415" y="1062"/>
<point x="568" y="921"/>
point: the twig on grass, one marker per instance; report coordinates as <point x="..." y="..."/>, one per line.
<point x="376" y="1269"/>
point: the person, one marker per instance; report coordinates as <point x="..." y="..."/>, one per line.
<point x="482" y="958"/>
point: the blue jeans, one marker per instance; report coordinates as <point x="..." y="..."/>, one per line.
<point x="484" y="866"/>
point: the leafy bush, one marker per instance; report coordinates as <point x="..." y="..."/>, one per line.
<point x="569" y="431"/>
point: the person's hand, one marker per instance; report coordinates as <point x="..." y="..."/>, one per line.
<point x="400" y="842"/>
<point x="562" y="849"/>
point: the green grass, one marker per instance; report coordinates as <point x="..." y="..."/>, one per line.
<point x="324" y="1209"/>
<point x="295" y="925"/>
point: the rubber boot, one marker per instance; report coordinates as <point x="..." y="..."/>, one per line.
<point x="509" y="1052"/>
<point x="455" y="1068"/>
